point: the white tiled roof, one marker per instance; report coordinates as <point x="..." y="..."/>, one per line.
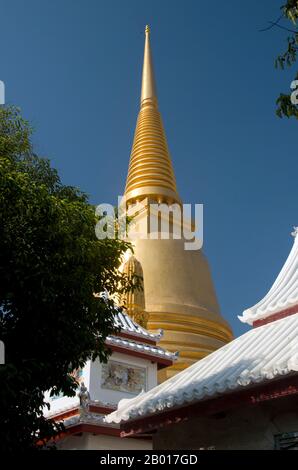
<point x="89" y="418"/>
<point x="60" y="405"/>
<point x="282" y="295"/>
<point x="66" y="404"/>
<point x="127" y="324"/>
<point x="141" y="347"/>
<point x="122" y="320"/>
<point x="260" y="355"/>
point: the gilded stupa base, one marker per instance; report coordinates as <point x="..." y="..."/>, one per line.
<point x="193" y="337"/>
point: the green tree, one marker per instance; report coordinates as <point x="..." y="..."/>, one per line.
<point x="51" y="263"/>
<point x="287" y="22"/>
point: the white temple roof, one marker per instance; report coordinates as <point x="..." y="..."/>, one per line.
<point x="259" y="356"/>
<point x="141" y="347"/>
<point x="284" y="292"/>
<point x="128" y="325"/>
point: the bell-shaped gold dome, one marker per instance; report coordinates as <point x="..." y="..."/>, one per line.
<point x="181" y="300"/>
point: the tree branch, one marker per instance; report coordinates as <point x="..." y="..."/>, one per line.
<point x="283" y="27"/>
<point x="272" y="23"/>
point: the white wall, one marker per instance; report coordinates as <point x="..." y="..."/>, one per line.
<point x="92" y="378"/>
<point x="112" y="396"/>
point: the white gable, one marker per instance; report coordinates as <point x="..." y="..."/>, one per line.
<point x="283" y="294"/>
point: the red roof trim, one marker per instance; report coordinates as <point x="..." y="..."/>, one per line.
<point x="93" y="408"/>
<point x="253" y="396"/>
<point x="277" y="316"/>
<point x="101" y="409"/>
<point x="93" y="428"/>
<point x="161" y="361"/>
<point x="65" y="414"/>
<point x="135" y="336"/>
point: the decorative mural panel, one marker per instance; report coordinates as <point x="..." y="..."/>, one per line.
<point x="123" y="377"/>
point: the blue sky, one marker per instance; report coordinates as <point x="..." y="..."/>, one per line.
<point x="74" y="68"/>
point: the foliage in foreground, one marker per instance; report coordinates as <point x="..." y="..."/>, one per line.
<point x="285" y="107"/>
<point x="51" y="263"/>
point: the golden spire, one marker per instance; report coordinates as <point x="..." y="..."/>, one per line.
<point x="148" y="82"/>
<point x="150" y="170"/>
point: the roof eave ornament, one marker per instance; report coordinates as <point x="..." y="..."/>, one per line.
<point x="160" y="334"/>
<point x="295" y="232"/>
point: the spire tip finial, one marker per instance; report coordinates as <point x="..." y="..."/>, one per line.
<point x="147" y="29"/>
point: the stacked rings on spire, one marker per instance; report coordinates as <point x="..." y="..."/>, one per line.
<point x="150" y="163"/>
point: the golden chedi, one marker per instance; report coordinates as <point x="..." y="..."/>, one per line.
<point x="178" y="291"/>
